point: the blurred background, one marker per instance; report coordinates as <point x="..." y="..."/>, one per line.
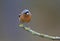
<point x="45" y="19"/>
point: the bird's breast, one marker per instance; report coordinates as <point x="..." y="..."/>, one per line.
<point x="25" y="18"/>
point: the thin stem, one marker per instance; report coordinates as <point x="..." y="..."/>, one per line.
<point x="39" y="34"/>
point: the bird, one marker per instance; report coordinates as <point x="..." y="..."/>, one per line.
<point x="25" y="16"/>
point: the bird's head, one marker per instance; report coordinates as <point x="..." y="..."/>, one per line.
<point x="26" y="12"/>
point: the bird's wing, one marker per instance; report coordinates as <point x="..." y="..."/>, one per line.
<point x="19" y="15"/>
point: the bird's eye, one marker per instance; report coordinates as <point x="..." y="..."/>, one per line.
<point x="26" y="12"/>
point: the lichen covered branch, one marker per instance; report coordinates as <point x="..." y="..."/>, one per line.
<point x="39" y="34"/>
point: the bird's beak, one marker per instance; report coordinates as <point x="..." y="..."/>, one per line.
<point x="27" y="13"/>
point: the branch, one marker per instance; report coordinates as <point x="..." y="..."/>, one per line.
<point x="39" y="34"/>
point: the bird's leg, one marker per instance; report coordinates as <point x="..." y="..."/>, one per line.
<point x="25" y="24"/>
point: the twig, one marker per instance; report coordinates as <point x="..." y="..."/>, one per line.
<point x="39" y="34"/>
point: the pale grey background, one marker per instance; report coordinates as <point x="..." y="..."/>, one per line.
<point x="45" y="19"/>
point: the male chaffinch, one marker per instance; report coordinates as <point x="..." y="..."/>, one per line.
<point x="25" y="16"/>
